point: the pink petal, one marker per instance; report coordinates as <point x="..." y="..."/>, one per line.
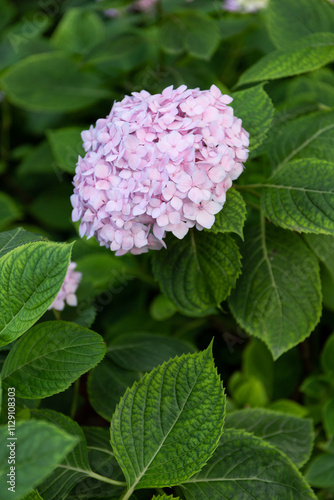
<point x="205" y="219"/>
<point x="195" y="195"/>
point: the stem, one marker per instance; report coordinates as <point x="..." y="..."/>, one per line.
<point x="74" y="406"/>
<point x="56" y="314"/>
<point x="160" y="491"/>
<point x="106" y="479"/>
<point x="127" y="494"/>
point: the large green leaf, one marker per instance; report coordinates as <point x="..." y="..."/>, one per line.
<point x="49" y="357"/>
<point x="66" y="145"/>
<point x="309" y="136"/>
<point x="30" y="278"/>
<point x="245" y="466"/>
<point x="307" y="54"/>
<point x="167" y="426"/>
<point x="78" y="31"/>
<point x="257" y="124"/>
<point x="15" y="238"/>
<point x="39" y="447"/>
<point x="232" y="218"/>
<point x="192" y="31"/>
<point x="62" y="86"/>
<point x="74" y="467"/>
<point x="292" y="435"/>
<point x="278" y="296"/>
<point x="144" y="351"/>
<point x="105" y="376"/>
<point x="9" y="211"/>
<point x="289" y="20"/>
<point x="197" y="272"/>
<point x="300" y="196"/>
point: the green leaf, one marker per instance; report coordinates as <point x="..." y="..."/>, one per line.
<point x="292" y="435"/>
<point x="290" y="20"/>
<point x="327" y="356"/>
<point x="231" y="26"/>
<point x="231" y="218"/>
<point x="66" y="145"/>
<point x="167" y="425"/>
<point x="191" y="31"/>
<point x="289" y="407"/>
<point x="307" y="54"/>
<point x="61" y="85"/>
<point x="49" y="357"/>
<point x="320" y="472"/>
<point x="9" y="211"/>
<point x="300" y="196"/>
<point x="71" y="469"/>
<point x="78" y="31"/>
<point x="278" y="296"/>
<point x="309" y="136"/>
<point x="197" y="272"/>
<point x="247" y="391"/>
<point x="165" y="497"/>
<point x="256" y="123"/>
<point x="105" y="376"/>
<point x="34" y="495"/>
<point x="322" y="245"/>
<point x="30" y="278"/>
<point x="129" y="50"/>
<point x="7" y="12"/>
<point x="245" y="466"/>
<point x="258" y="362"/>
<point x="102" y="461"/>
<point x="39" y="447"/>
<point x="329" y="418"/>
<point x="37" y="164"/>
<point x="52" y="207"/>
<point x="162" y="308"/>
<point x="144" y="351"/>
<point x="15" y="238"/>
<point x="107" y="273"/>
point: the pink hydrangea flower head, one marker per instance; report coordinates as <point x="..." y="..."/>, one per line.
<point x="157" y="163"/>
<point x="144" y="5"/>
<point x="68" y="289"/>
<point x="244" y="6"/>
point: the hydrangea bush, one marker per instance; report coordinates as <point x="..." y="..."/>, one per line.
<point x="166" y="250"/>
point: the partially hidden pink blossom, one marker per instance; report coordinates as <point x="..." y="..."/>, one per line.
<point x="157" y="163"/>
<point x="68" y="289"/>
<point x="244" y="6"/>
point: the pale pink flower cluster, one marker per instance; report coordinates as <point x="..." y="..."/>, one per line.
<point x="138" y="5"/>
<point x="244" y="6"/>
<point x="157" y="163"/>
<point x="68" y="289"/>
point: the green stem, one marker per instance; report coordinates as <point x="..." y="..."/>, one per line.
<point x="56" y="314"/>
<point x="160" y="491"/>
<point x="75" y="399"/>
<point x="106" y="479"/>
<point x="127" y="494"/>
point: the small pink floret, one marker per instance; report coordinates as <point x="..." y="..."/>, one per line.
<point x="157" y="163"/>
<point x="68" y="289"/>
